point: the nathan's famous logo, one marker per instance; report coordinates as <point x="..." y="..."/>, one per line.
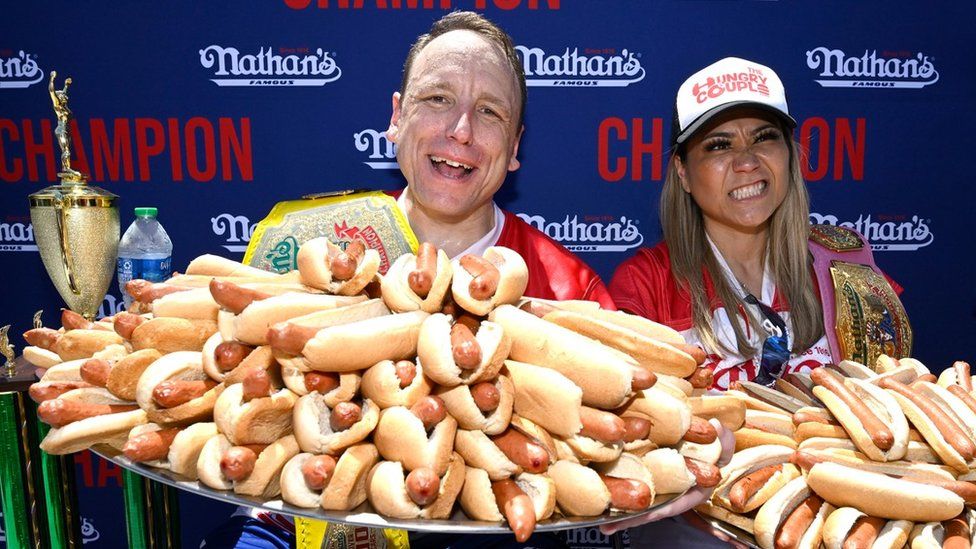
<point x="603" y="233"/>
<point x="20" y="70"/>
<point x="382" y="151"/>
<point x="872" y="70"/>
<point x="237" y="229"/>
<point x="715" y="85"/>
<point x="344" y="234"/>
<point x="110" y="306"/>
<point x="17" y="237"/>
<point x="268" y="67"/>
<point x="886" y="233"/>
<point x="586" y="68"/>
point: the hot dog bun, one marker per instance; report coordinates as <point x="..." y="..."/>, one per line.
<point x="381" y="384"/>
<point x="387" y="490"/>
<point x="252" y="324"/>
<point x="884" y="406"/>
<point x="171" y="334"/>
<point x="42" y="358"/>
<point x="179" y="365"/>
<point x="396" y="290"/>
<point x="346" y="488"/>
<point x="123" y="378"/>
<point x="512" y="281"/>
<point x="579" y="490"/>
<point x="262" y="482"/>
<point x="212" y="265"/>
<point x="546" y="397"/>
<point x="773" y="514"/>
<point x="314" y="266"/>
<point x="463" y="407"/>
<point x="400" y="436"/>
<point x="75" y="344"/>
<point x="111" y="429"/>
<point x="670" y="416"/>
<point x="435" y="351"/>
<point x="744" y="463"/>
<point x="359" y="345"/>
<point x="257" y="421"/>
<point x="314" y="431"/>
<point x="480" y="452"/>
<point x="839" y="524"/>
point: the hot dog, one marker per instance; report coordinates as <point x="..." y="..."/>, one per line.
<point x="337" y="484"/>
<point x="419" y="436"/>
<point x="87" y="416"/>
<point x="253" y="323"/>
<point x="190" y="394"/>
<point x="522" y="501"/>
<point x="453" y="355"/>
<point x="792" y="517"/>
<point x="151" y="445"/>
<point x="753" y="476"/>
<point x="325" y="266"/>
<point x="399" y="383"/>
<point x="418" y="282"/>
<point x="255" y="420"/>
<point x="498" y="277"/>
<point x="125" y="323"/>
<point x="523" y="451"/>
<point x="483" y="406"/>
<point x="251" y="469"/>
<point x="170" y="334"/>
<point x="312" y="420"/>
<point x="234" y="298"/>
<point x="419" y="493"/>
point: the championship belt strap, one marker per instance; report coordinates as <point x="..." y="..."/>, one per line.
<point x="863" y="317"/>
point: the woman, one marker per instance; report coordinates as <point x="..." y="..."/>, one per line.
<point x="733" y="273"/>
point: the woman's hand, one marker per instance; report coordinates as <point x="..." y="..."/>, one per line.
<point x="687" y="501"/>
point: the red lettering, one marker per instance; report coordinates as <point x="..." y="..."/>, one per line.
<point x="143" y="148"/>
<point x="121" y="151"/>
<point x="849" y="146"/>
<point x="822" y="153"/>
<point x="302" y="4"/>
<point x="512" y="4"/>
<point x="192" y="149"/>
<point x="240" y="145"/>
<point x="639" y="148"/>
<point x="619" y="170"/>
<point x="108" y="470"/>
<point x="83" y="461"/>
<point x="44" y="149"/>
<point x="175" y="158"/>
<point x="412" y="4"/>
<point x="7" y="174"/>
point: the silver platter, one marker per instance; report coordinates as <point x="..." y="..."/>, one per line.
<point x="734" y="532"/>
<point x="364" y="515"/>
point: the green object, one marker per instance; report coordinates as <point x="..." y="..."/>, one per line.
<point x="144" y="211"/>
<point x="13" y="487"/>
<point x="151" y="512"/>
<point x="60" y="496"/>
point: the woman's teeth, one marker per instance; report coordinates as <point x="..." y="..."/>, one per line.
<point x="743" y="193"/>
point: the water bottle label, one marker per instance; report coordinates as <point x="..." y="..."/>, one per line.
<point x="153" y="270"/>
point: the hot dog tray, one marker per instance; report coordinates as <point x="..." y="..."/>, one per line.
<point x="364" y="515"/>
<point x="733" y="532"/>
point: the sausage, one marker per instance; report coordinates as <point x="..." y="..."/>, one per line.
<point x="516" y="506"/>
<point x="60" y="412"/>
<point x="174" y="392"/>
<point x="486" y="396"/>
<point x="601" y="426"/>
<point x="963" y="395"/>
<point x="406" y="371"/>
<point x="696" y="352"/>
<point x="864" y="532"/>
<point x="228" y="354"/>
<point x="95" y="371"/>
<point x="430" y="410"/>
<point x="927" y="377"/>
<point x="805" y="460"/>
<point x="234" y="297"/>
<point x="136" y="286"/>
<point x="953" y="434"/>
<point x="702" y="378"/>
<point x="344" y="263"/>
<point x="797" y="522"/>
<point x="290" y="338"/>
<point x="963" y="375"/>
<point x="125" y="323"/>
<point x="746" y="487"/>
<point x="706" y="474"/>
<point x="321" y="382"/>
<point x="636" y="428"/>
<point x="537" y="308"/>
<point x="74" y="321"/>
<point x="642" y="379"/>
<point x="150" y="446"/>
<point x="238" y="462"/>
<point x="465" y="349"/>
<point x="795" y="381"/>
<point x="256" y="384"/>
<point x="317" y="471"/>
<point x="522" y="451"/>
<point x="423" y="486"/>
<point x="956" y="534"/>
<point x="627" y="494"/>
<point x="344" y="415"/>
<point x="39" y="392"/>
<point x="421" y="279"/>
<point x="45" y="338"/>
<point x="879" y="432"/>
<point x="805" y="416"/>
<point x="486" y="276"/>
<point x="151" y="291"/>
<point x="700" y="431"/>
<point x="467" y="319"/>
<point x="965" y="490"/>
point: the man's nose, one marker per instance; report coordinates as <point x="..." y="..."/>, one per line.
<point x="460" y="130"/>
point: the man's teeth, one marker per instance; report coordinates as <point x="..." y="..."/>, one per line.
<point x="451" y="163"/>
<point x="748" y="192"/>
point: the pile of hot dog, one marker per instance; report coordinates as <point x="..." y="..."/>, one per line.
<point x="853" y="457"/>
<point x="433" y="383"/>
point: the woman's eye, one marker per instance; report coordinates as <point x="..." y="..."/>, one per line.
<point x="717" y="145"/>
<point x="768" y="135"/>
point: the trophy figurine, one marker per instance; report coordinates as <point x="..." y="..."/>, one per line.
<point x="76" y="226"/>
<point x="7" y="350"/>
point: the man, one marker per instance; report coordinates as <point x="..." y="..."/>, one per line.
<point x="457" y="122"/>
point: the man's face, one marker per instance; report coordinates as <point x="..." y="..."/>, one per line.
<point x="456" y="125"/>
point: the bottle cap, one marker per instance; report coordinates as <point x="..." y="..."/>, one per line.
<point x="146" y="212"/>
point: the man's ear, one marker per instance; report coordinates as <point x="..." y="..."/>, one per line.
<point x="680" y="166"/>
<point x="394" y="129"/>
<point x="513" y="162"/>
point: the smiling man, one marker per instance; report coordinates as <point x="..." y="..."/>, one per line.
<point x="457" y="122"/>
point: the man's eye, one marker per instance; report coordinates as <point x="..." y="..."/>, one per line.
<point x="436" y="99"/>
<point x="491" y="112"/>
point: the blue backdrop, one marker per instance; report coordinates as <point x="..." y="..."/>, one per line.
<point x="214" y="111"/>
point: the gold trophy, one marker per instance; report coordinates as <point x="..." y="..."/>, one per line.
<point x="76" y="226"/>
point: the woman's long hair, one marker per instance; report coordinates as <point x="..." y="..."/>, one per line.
<point x="790" y="261"/>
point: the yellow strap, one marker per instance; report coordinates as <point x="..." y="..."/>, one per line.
<point x="396" y="538"/>
<point x="309" y="533"/>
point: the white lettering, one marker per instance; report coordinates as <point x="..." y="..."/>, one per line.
<point x="316" y="69"/>
<point x="870" y="70"/>
<point x="582" y="70"/>
<point x="579" y="236"/>
<point x="907" y="235"/>
<point x="20" y="71"/>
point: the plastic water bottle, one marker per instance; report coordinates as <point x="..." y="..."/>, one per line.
<point x="145" y="251"/>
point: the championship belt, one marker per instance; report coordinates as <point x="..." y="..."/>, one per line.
<point x="867" y="317"/>
<point x="370" y="216"/>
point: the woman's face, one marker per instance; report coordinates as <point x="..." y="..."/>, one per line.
<point x="737" y="169"/>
